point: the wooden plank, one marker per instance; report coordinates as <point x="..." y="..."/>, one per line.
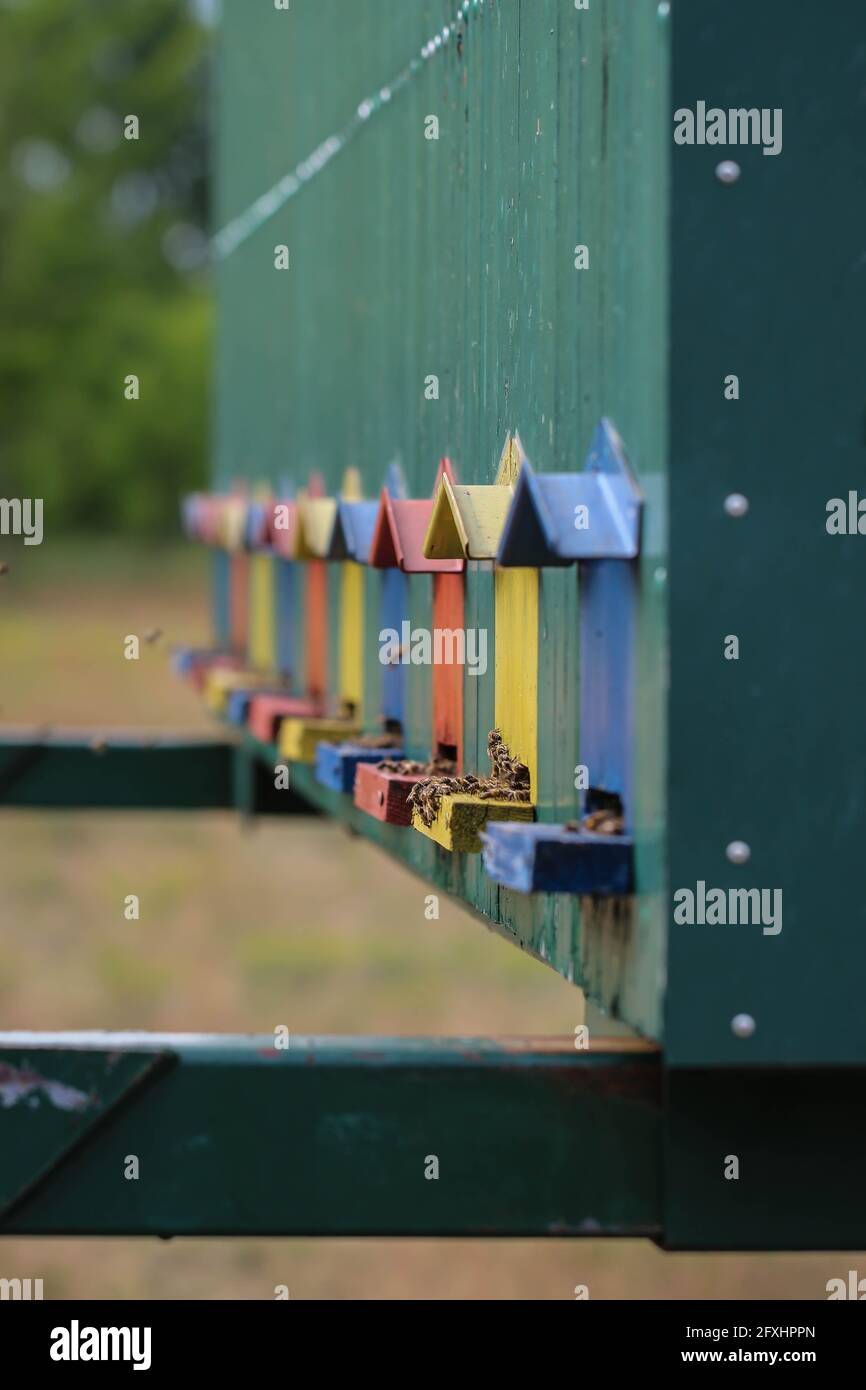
<point x="608" y="607"/>
<point x="384" y="795"/>
<point x="352" y="634"/>
<point x="461" y="819"/>
<point x="516" y="592"/>
<point x="553" y="859"/>
<point x="337" y="763"/>
<point x="393" y="611"/>
<point x="285" y="582"/>
<point x="219" y="682"/>
<point x="262" y="629"/>
<point x="71" y="769"/>
<point x="448" y="616"/>
<point x="239" y="600"/>
<point x="533" y="1138"/>
<point x="316" y="627"/>
<point x="299" y="738"/>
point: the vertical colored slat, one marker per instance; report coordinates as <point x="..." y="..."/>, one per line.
<point x="350" y="636"/>
<point x="239" y="563"/>
<point x="284" y="616"/>
<point x="394" y="610"/>
<point x="448" y="679"/>
<point x="316" y="626"/>
<point x="351" y="655"/>
<point x="607" y="623"/>
<point x="262" y="612"/>
<point x="221" y="597"/>
<point x="417" y="731"/>
<point x="516" y="695"/>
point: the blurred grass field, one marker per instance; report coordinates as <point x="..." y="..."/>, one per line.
<point x="242" y="929"/>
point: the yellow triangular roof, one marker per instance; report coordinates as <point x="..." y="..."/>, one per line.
<point x="316" y="517"/>
<point x="467" y="521"/>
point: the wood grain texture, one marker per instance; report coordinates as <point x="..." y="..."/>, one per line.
<point x="516" y="675"/>
<point x="461" y="819"/>
<point x="352" y="635"/>
<point x="456" y="257"/>
<point x="384" y="795"/>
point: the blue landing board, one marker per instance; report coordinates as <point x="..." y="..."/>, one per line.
<point x="551" y="859"/>
<point x="184" y="659"/>
<point x="336" y="763"/>
<point x="239" y="705"/>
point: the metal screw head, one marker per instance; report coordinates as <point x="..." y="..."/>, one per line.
<point x="738" y="852"/>
<point x="743" y="1025"/>
<point x="736" y="504"/>
<point x="728" y="171"/>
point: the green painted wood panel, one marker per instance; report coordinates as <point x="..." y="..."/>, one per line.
<point x="328" y="1136"/>
<point x="455" y="258"/>
<point x="769" y="282"/>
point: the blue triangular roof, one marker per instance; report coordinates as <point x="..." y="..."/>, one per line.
<point x="353" y="531"/>
<point x="557" y="518"/>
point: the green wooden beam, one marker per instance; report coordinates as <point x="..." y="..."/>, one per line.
<point x="91" y="771"/>
<point x="332" y="1136"/>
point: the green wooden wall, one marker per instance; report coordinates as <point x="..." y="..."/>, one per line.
<point x="769" y="282"/>
<point x="412" y="257"/>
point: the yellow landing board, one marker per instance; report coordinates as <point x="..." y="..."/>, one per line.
<point x="460" y="820"/>
<point x="220" y="683"/>
<point x="299" y="738"/>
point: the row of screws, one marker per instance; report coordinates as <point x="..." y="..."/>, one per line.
<point x="736" y="506"/>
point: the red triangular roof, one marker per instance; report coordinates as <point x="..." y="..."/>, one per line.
<point x="401" y="525"/>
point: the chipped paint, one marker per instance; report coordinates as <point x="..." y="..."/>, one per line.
<point x="19" y="1083"/>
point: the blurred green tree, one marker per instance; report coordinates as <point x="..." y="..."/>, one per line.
<point x="103" y="270"/>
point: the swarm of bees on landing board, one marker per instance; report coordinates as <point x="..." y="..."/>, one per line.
<point x="509" y="781"/>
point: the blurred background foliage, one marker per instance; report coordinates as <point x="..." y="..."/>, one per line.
<point x="103" y="271"/>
